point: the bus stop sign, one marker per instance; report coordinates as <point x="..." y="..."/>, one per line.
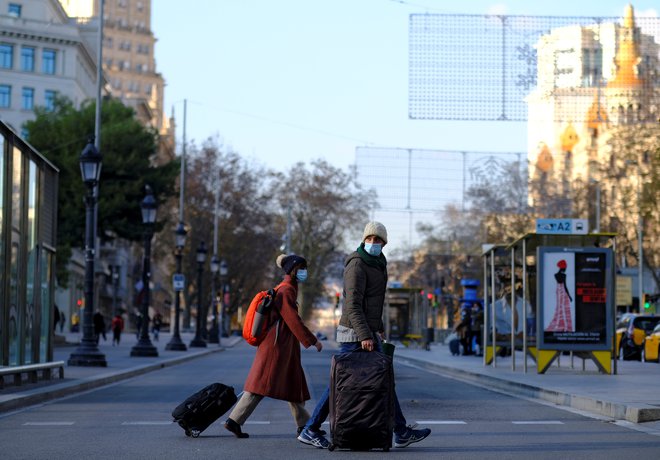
<point x="562" y="226"/>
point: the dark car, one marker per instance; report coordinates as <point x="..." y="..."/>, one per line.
<point x="631" y="331"/>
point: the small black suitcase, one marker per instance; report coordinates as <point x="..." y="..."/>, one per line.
<point x="201" y="409"/>
<point x="361" y="401"/>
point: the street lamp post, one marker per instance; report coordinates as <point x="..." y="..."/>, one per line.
<point x="223" y="281"/>
<point x="213" y="334"/>
<point x="175" y="342"/>
<point x="198" y="341"/>
<point x="144" y="346"/>
<point x="87" y="353"/>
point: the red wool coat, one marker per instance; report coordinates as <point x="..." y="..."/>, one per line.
<point x="276" y="370"/>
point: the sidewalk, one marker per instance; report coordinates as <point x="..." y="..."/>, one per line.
<point x="120" y="366"/>
<point x="632" y="395"/>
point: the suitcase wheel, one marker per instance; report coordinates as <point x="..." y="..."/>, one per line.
<point x="195" y="433"/>
<point x="331" y="447"/>
<point x="188" y="433"/>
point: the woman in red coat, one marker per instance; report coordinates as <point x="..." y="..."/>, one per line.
<point x="276" y="370"/>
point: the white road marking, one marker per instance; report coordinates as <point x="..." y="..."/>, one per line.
<point x="257" y="422"/>
<point x="48" y="423"/>
<point x="441" y="422"/>
<point x="539" y="422"/>
<point x="147" y="423"/>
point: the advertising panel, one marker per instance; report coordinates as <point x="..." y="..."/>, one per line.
<point x="576" y="302"/>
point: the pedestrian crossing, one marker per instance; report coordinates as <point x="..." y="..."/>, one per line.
<point x="268" y="422"/>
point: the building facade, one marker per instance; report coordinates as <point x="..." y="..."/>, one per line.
<point x="129" y="61"/>
<point x="43" y="53"/>
<point x="28" y="220"/>
<point x="590" y="78"/>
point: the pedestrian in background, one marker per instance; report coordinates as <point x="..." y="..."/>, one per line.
<point x="56" y="318"/>
<point x="117" y="326"/>
<point x="99" y="326"/>
<point x="155" y="325"/>
<point x="361" y="326"/>
<point x="62" y="321"/>
<point x="276" y="370"/>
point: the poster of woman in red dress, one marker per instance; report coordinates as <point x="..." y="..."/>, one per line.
<point x="559" y="286"/>
<point x="562" y="320"/>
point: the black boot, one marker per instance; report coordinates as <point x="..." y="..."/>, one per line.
<point x="235" y="428"/>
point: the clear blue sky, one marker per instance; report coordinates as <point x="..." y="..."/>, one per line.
<point x="293" y="80"/>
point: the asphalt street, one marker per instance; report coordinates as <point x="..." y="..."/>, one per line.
<point x="131" y="419"/>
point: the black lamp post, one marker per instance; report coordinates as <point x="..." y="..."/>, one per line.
<point x="144" y="346"/>
<point x="175" y="342"/>
<point x="213" y="334"/>
<point x="87" y="353"/>
<point x="223" y="280"/>
<point x="198" y="341"/>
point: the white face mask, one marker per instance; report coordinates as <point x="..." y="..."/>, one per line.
<point x="373" y="249"/>
<point x="301" y="275"/>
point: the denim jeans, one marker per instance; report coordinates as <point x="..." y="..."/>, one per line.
<point x="322" y="408"/>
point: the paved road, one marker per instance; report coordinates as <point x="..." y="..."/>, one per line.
<point x="131" y="419"/>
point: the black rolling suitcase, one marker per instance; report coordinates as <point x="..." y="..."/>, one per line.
<point x="201" y="409"/>
<point x="361" y="401"/>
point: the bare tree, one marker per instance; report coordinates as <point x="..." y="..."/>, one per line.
<point x="326" y="205"/>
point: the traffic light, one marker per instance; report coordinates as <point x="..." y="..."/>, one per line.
<point x="337" y="297"/>
<point x="646" y="301"/>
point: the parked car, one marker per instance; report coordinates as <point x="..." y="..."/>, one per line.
<point x="652" y="345"/>
<point x="631" y="332"/>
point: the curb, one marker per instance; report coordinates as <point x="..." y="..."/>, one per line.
<point x="44" y="394"/>
<point x="620" y="411"/>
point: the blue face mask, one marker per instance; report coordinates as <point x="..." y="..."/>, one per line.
<point x="373" y="249"/>
<point x="301" y="275"/>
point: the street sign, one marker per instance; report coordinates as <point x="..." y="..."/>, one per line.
<point x="179" y="281"/>
<point x="623" y="290"/>
<point x="562" y="226"/>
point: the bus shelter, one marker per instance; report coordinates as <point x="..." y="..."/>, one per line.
<point x="569" y="281"/>
<point x="497" y="322"/>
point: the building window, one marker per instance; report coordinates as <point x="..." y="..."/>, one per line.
<point x="48" y="62"/>
<point x="49" y="99"/>
<point x="6" y="55"/>
<point x="5" y="96"/>
<point x="15" y="10"/>
<point x="147" y="88"/>
<point x="27" y="59"/>
<point x="27" y="99"/>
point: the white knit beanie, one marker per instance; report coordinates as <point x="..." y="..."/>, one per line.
<point x="375" y="228"/>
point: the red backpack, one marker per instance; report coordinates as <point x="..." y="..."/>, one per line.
<point x="258" y="317"/>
